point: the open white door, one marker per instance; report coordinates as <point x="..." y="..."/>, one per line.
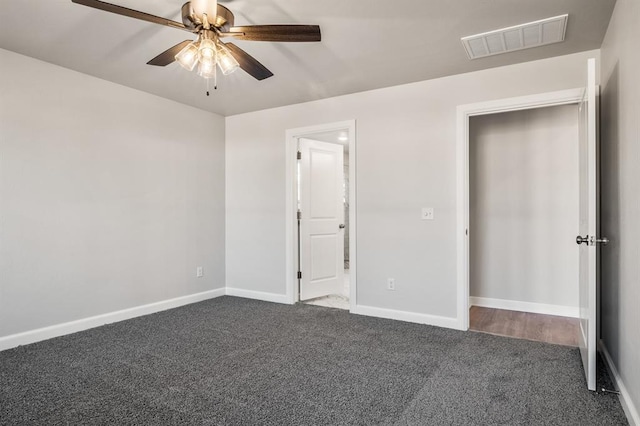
<point x="321" y="218"/>
<point x="588" y="228"/>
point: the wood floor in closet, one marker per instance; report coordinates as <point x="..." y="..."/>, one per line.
<point x="525" y="325"/>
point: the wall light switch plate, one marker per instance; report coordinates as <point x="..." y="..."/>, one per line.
<point x="199" y="272"/>
<point x="427" y="213"/>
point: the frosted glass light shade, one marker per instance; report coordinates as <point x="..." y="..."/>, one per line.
<point x="207" y="69"/>
<point x="207" y="50"/>
<point x="188" y="57"/>
<point x="226" y="61"/>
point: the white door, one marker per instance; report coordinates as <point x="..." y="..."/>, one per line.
<point x="322" y="218"/>
<point x="588" y="239"/>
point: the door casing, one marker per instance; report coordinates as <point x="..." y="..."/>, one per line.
<point x="464" y="113"/>
<point x="291" y="225"/>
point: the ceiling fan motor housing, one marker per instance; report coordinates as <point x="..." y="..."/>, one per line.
<point x="223" y="21"/>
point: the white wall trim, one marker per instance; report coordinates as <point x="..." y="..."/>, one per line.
<point x="414" y="317"/>
<point x="258" y="295"/>
<point x="630" y="410"/>
<point x="291" y="229"/>
<point x="464" y="113"/>
<point x="516" y="305"/>
<point x="57" y="330"/>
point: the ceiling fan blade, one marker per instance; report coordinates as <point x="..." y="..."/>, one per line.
<point x="277" y="32"/>
<point x="119" y="10"/>
<point x="169" y="55"/>
<point x="249" y="63"/>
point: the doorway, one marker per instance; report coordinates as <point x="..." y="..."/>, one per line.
<point x="523" y="218"/>
<point x="465" y="115"/>
<point x="321" y="224"/>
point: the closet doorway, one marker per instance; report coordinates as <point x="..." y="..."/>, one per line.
<point x="523" y="219"/>
<point x="518" y="186"/>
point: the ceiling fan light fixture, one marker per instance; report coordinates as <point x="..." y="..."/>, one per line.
<point x="226" y="61"/>
<point x="188" y="57"/>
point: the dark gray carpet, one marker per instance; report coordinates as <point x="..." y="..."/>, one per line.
<point x="232" y="361"/>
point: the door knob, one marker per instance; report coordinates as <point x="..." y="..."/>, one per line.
<point x="604" y="241"/>
<point x="341" y="226"/>
<point x="592" y="240"/>
<point x="582" y="240"/>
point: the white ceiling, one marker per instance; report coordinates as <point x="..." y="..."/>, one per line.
<point x="366" y="44"/>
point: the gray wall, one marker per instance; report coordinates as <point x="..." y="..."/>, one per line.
<point x="523" y="186"/>
<point x="109" y="197"/>
<point x="620" y="193"/>
<point x="406" y="160"/>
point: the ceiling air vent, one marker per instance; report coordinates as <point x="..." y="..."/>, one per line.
<point x="525" y="36"/>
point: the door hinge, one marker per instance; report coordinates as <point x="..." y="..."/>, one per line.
<point x="299" y="275"/>
<point x="299" y="155"/>
<point x="299" y="215"/>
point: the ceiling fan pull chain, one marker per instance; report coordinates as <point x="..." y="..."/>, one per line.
<point x="215" y="82"/>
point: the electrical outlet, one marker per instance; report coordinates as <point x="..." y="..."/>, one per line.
<point x="427" y="213"/>
<point x="199" y="272"/>
<point x="391" y="284"/>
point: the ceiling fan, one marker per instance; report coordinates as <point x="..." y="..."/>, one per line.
<point x="211" y="22"/>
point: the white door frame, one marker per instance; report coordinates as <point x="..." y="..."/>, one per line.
<point x="291" y="228"/>
<point x="464" y="113"/>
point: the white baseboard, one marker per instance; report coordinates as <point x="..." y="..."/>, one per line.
<point x="258" y="295"/>
<point x="57" y="330"/>
<point x="625" y="399"/>
<point x="536" y="308"/>
<point x="438" y="321"/>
